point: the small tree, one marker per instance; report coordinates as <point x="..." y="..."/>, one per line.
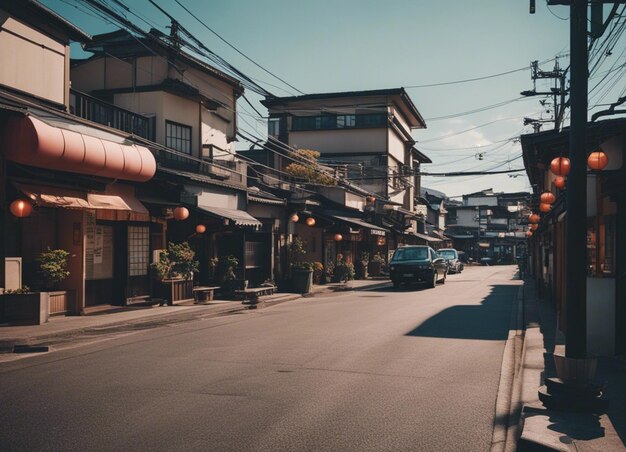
<point x="226" y="266"/>
<point x="53" y="266"/>
<point x="308" y="168"/>
<point x="177" y="260"/>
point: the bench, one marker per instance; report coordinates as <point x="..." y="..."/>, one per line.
<point x="203" y="294"/>
<point x="254" y="294"/>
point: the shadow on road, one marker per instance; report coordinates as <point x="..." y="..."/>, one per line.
<point x="489" y="321"/>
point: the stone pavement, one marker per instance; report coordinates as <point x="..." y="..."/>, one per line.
<point x="63" y="328"/>
<point x="543" y="429"/>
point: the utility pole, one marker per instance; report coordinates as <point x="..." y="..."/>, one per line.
<point x="576" y="221"/>
<point x="557" y="92"/>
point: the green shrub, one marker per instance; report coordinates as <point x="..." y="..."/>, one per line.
<point x="53" y="266"/>
<point x="177" y="261"/>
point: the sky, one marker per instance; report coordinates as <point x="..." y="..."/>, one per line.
<point x="347" y="45"/>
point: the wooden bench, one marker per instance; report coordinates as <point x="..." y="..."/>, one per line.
<point x="254" y="294"/>
<point x="203" y="294"/>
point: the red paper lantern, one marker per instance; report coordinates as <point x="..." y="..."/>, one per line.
<point x="310" y="221"/>
<point x="294" y="218"/>
<point x="21" y="208"/>
<point x="534" y="218"/>
<point x="534" y="227"/>
<point x="597" y="160"/>
<point x="201" y="229"/>
<point x="545" y="207"/>
<point x="529" y="233"/>
<point x="560" y="166"/>
<point x="338" y="237"/>
<point x="559" y="182"/>
<point x="547" y="197"/>
<point x="181" y="213"/>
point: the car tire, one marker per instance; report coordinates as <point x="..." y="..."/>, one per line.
<point x="432" y="284"/>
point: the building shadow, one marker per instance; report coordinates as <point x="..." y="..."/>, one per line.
<point x="491" y="320"/>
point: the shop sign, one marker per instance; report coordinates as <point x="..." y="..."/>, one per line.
<point x="377" y="232"/>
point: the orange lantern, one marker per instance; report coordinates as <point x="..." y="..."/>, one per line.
<point x="547" y="197"/>
<point x="338" y="237"/>
<point x="529" y="233"/>
<point x="21" y="208"/>
<point x="560" y="166"/>
<point x="534" y="227"/>
<point x="181" y="213"/>
<point x="534" y="218"/>
<point x="545" y="207"/>
<point x="294" y="218"/>
<point x="559" y="182"/>
<point x="597" y="160"/>
<point x="310" y="221"/>
<point x="201" y="229"/>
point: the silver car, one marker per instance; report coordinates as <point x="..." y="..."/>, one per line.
<point x="452" y="258"/>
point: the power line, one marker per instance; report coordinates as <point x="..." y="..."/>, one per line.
<point x="236" y="49"/>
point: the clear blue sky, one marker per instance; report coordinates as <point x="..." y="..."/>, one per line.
<point x="345" y="45"/>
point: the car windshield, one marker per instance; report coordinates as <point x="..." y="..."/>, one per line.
<point x="447" y="254"/>
<point x="410" y="254"/>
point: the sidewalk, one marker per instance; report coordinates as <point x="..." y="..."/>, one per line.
<point x="543" y="429"/>
<point x="141" y="317"/>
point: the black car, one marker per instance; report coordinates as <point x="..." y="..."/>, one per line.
<point x="452" y="258"/>
<point x="417" y="263"/>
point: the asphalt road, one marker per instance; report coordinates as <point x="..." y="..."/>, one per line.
<point x="409" y="369"/>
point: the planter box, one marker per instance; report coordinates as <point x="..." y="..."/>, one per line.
<point x="61" y="302"/>
<point x="302" y="280"/>
<point x="25" y="309"/>
<point x="173" y="290"/>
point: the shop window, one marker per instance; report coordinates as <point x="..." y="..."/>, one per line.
<point x="178" y="137"/>
<point x="601" y="246"/>
<point x="138" y="250"/>
<point x="99" y="249"/>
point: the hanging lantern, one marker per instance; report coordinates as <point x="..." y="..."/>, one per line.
<point x="559" y="182"/>
<point x="560" y="166"/>
<point x="201" y="229"/>
<point x="534" y="218"/>
<point x="338" y="237"/>
<point x="181" y="213"/>
<point x="597" y="160"/>
<point x="310" y="221"/>
<point x="545" y="207"/>
<point x="534" y="227"/>
<point x="547" y="197"/>
<point x="21" y="208"/>
<point x="529" y="233"/>
<point x="294" y="218"/>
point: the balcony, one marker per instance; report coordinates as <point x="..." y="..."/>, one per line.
<point x="232" y="171"/>
<point x="96" y="110"/>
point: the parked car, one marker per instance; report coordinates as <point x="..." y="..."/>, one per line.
<point x="452" y="258"/>
<point x="417" y="264"/>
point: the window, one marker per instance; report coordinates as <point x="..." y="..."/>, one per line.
<point x="138" y="250"/>
<point x="178" y="137"/>
<point x="325" y="122"/>
<point x="345" y="121"/>
<point x="273" y="127"/>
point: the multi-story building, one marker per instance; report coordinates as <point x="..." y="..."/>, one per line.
<point x="365" y="138"/>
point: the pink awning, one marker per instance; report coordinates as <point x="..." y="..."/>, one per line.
<point x="30" y="141"/>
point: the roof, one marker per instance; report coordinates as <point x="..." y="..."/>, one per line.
<point x="121" y="43"/>
<point x="273" y="101"/>
<point x="199" y="178"/>
<point x="32" y="12"/>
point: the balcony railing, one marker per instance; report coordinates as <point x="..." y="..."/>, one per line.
<point x="233" y="171"/>
<point x="96" y="110"/>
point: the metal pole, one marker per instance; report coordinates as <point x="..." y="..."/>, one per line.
<point x="576" y="226"/>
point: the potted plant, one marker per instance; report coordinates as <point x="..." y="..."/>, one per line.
<point x="53" y="270"/>
<point x="362" y="263"/>
<point x="376" y="264"/>
<point x="301" y="271"/>
<point x="318" y="272"/>
<point x="226" y="276"/>
<point x="344" y="271"/>
<point x="174" y="271"/>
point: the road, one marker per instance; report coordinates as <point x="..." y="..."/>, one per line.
<point x="407" y="369"/>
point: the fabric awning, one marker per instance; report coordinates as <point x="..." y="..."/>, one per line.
<point x="359" y="223"/>
<point x="239" y="217"/>
<point x="44" y="196"/>
<point x="31" y="141"/>
<point x="426" y="237"/>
